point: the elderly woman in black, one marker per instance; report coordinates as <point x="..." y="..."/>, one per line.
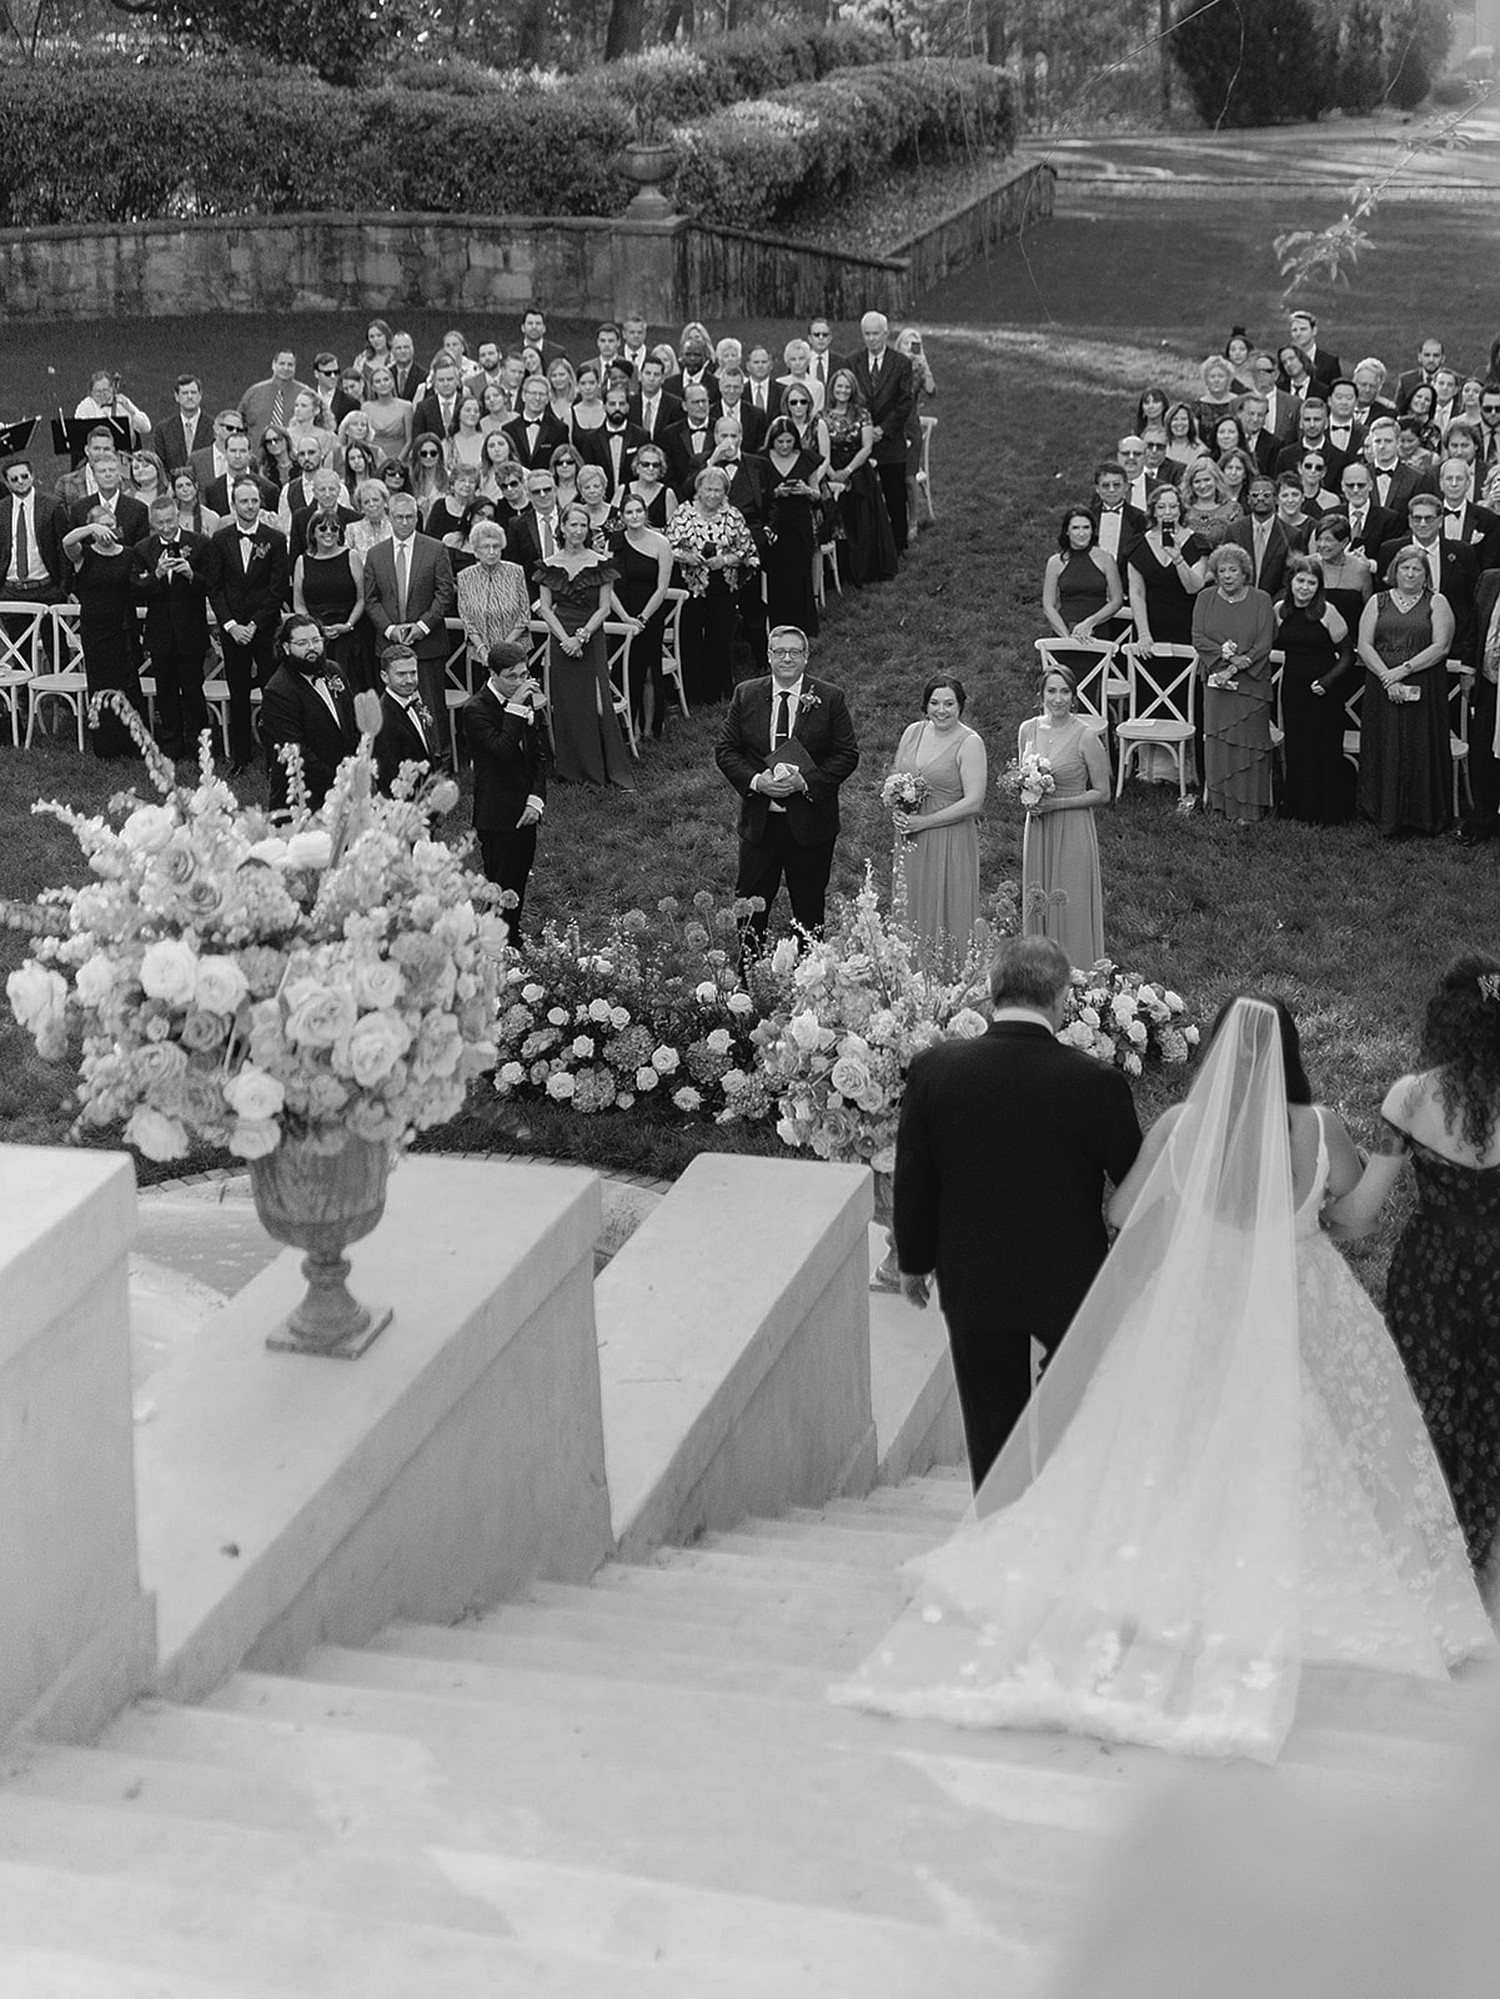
<point x="712" y="545"/>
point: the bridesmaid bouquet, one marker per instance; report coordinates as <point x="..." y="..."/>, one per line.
<point x="1028" y="778"/>
<point x="904" y="791"/>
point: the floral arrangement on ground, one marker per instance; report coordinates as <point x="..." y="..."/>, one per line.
<point x="239" y="982"/>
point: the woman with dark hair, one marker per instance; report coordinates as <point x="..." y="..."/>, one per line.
<point x="1237" y="469"/>
<point x="376" y="351"/>
<point x="855" y="499"/>
<point x="576" y="596"/>
<point x="587" y="414"/>
<point x="1081" y="587"/>
<point x="1183" y="441"/>
<point x="328" y="585"/>
<point x="276" y="461"/>
<point x="1317" y="662"/>
<point x="1443" y="1291"/>
<point x="1151" y="408"/>
<point x="427" y="475"/>
<point x="1223" y="1476"/>
<point x="564" y="464"/>
<point x="187" y="491"/>
<point x="1405" y="751"/>
<point x="1237" y="351"/>
<point x="1165" y="573"/>
<point x="643" y="556"/>
<point x="791" y="530"/>
<point x="1347" y="575"/>
<point x="1226" y="435"/>
<point x="935" y="883"/>
<point x="1062" y="895"/>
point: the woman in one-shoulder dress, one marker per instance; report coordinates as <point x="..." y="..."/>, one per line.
<point x="935" y="882"/>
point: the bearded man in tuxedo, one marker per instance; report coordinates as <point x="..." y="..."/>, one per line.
<point x="307" y="704"/>
<point x="786" y="747"/>
<point x="1003" y="1150"/>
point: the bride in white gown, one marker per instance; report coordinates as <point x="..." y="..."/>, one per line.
<point x="1222" y="1476"/>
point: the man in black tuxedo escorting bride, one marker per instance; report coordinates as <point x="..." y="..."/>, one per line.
<point x="1004" y="1147"/>
<point x="786" y="747"/>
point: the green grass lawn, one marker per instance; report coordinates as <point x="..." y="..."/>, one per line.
<point x="1039" y="355"/>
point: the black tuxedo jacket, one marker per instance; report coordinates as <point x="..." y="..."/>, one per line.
<point x="1404" y="483"/>
<point x="1407" y="384"/>
<point x="216" y="495"/>
<point x="176" y="606"/>
<point x="750" y="491"/>
<point x="428" y="416"/>
<point x="244" y="596"/>
<point x="685" y="460"/>
<point x="753" y="424"/>
<point x="890" y="400"/>
<point x="668" y="411"/>
<point x="1458" y="566"/>
<point x="293" y="711"/>
<point x="551" y="432"/>
<point x="1479" y="529"/>
<point x="708" y="378"/>
<point x="1292" y="454"/>
<point x="170" y="441"/>
<point x="1279" y="547"/>
<point x="132" y="520"/>
<point x="407" y="381"/>
<point x="1340" y="455"/>
<point x="523" y="543"/>
<point x="1379" y="525"/>
<point x="510" y="761"/>
<point x="1132" y="527"/>
<point x="594" y="449"/>
<point x="824" y="731"/>
<point x="401" y="742"/>
<point x="1012" y="1225"/>
<point x="51" y="525"/>
<point x="1486" y="590"/>
<point x="1265" y="448"/>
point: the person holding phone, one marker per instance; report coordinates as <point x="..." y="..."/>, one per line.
<point x="791" y="528"/>
<point x="503" y="730"/>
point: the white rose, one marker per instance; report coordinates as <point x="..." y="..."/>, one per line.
<point x="560" y="1085"/>
<point x="646" y="1079"/>
<point x="1089" y="1016"/>
<point x="221" y="985"/>
<point x="377" y="1043"/>
<point x="686" y="1099"/>
<point x="169" y="971"/>
<point x="740" y="1003"/>
<point x="666" y="1061"/>
<point x="148" y="829"/>
<point x="558" y="1015"/>
<point x="37" y="995"/>
<point x="1132" y="1063"/>
<point x="850" y="1076"/>
<point x="533" y="992"/>
<point x="720" y="1041"/>
<point x="513" y="1074"/>
<point x="377" y="983"/>
<point x="624" y="1100"/>
<point x="581" y="1046"/>
<point x="1175" y="1002"/>
<point x="599" y="1010"/>
<point x="968" y="1023"/>
<point x="784" y="957"/>
<point x="619" y="1017"/>
<point x="254" y="1095"/>
<point x="805" y="1029"/>
<point x="312" y="849"/>
<point x="253" y="1138"/>
<point x="705" y="992"/>
<point x="94" y="980"/>
<point x="1137" y="1032"/>
<point x="155" y="1135"/>
<point x="1190" y="1036"/>
<point x="272" y="851"/>
<point x="1122" y="1006"/>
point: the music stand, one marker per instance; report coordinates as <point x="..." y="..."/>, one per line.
<point x="17" y="436"/>
<point x="70" y="434"/>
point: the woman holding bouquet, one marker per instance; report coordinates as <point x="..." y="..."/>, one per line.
<point x="1061" y="894"/>
<point x="935" y="881"/>
<point x="1233" y="634"/>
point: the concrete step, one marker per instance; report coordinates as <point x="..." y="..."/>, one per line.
<point x="833" y="1547"/>
<point x="868" y="1519"/>
<point x="737" y="1600"/>
<point x="617" y="1623"/>
<point x="27" y="1973"/>
<point x="190" y="1928"/>
<point x="746" y="1563"/>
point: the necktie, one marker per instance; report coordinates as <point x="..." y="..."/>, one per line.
<point x="403" y="577"/>
<point x="278" y="407"/>
<point x="783" y="727"/>
<point x="874" y="368"/>
<point x="760" y="395"/>
<point x="544" y="533"/>
<point x="22" y="544"/>
<point x="417" y="710"/>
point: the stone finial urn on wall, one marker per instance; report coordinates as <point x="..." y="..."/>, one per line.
<point x="650" y="163"/>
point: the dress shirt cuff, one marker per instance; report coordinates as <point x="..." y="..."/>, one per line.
<point x="521" y="708"/>
<point x="535" y="804"/>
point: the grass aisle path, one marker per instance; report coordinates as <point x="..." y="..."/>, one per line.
<point x="1037" y="371"/>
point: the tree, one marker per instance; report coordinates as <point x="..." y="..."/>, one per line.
<point x="1258" y="62"/>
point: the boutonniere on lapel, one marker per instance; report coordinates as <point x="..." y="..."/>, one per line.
<point x="259" y="548"/>
<point x="807" y="701"/>
<point x="334" y="682"/>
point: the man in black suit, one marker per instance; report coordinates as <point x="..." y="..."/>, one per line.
<point x="309" y="705"/>
<point x="245" y="567"/>
<point x="535" y="433"/>
<point x="786" y="747"/>
<point x="534" y="334"/>
<point x="1119" y="525"/>
<point x="612" y="447"/>
<point x="1370" y="524"/>
<point x="211" y="461"/>
<point x="750" y="486"/>
<point x="178" y="437"/>
<point x="1263" y="445"/>
<point x="1321" y="365"/>
<point x="132" y="523"/>
<point x="689" y="445"/>
<point x="169" y="575"/>
<point x="406" y="374"/>
<point x="32" y="564"/>
<point x="1464" y="520"/>
<point x="1004" y="1147"/>
<point x="437" y="412"/>
<point x="697" y="369"/>
<point x="735" y="401"/>
<point x="1312" y="432"/>
<point x="889" y="390"/>
<point x="504" y="736"/>
<point x="1344" y="438"/>
<point x="535" y="535"/>
<point x="651" y="408"/>
<point x="1429" y="360"/>
<point x="761" y="387"/>
<point x="408" y="728"/>
<point x="1394" y="483"/>
<point x="1262" y="537"/>
<point x="1482" y="818"/>
<point x="328" y="501"/>
<point x="1452" y="567"/>
<point x="216" y="496"/>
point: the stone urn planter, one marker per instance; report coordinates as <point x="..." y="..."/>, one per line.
<point x="650" y="163"/>
<point x="319" y="1195"/>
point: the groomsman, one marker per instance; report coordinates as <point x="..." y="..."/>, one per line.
<point x="169" y="567"/>
<point x="408" y="729"/>
<point x="504" y="735"/>
<point x="1004" y="1147"/>
<point x="889" y="390"/>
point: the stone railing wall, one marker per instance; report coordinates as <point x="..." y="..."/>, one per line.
<point x="576" y="267"/>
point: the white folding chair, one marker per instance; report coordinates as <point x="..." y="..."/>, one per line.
<point x="924" y="468"/>
<point x="1353" y="704"/>
<point x="25" y="639"/>
<point x="67" y="681"/>
<point x="671" y="645"/>
<point x="458" y="680"/>
<point x="617" y="638"/>
<point x="1278" y="726"/>
<point x="1090" y="661"/>
<point x="1159" y="712"/>
<point x="1460" y="682"/>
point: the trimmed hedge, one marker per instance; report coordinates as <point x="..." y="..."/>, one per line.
<point x="746" y="166"/>
<point x="679" y="85"/>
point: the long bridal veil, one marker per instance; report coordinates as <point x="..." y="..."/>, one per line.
<point x="1139" y="1561"/>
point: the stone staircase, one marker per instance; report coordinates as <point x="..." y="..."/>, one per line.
<point x="630" y="1788"/>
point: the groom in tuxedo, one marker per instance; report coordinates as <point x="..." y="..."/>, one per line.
<point x="1004" y="1146"/>
<point x="788" y="825"/>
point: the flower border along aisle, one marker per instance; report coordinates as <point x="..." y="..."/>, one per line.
<point x="308" y="995"/>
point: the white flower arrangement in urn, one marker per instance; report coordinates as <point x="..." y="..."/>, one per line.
<point x="308" y="995"/>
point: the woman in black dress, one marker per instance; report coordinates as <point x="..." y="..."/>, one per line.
<point x="1081" y="587"/>
<point x="650" y="487"/>
<point x="855" y="499"/>
<point x="328" y="584"/>
<point x="1405" y="757"/>
<point x="104" y="584"/>
<point x="1165" y="573"/>
<point x="1316" y="674"/>
<point x="792" y="536"/>
<point x="1443" y="1291"/>
<point x="643" y="556"/>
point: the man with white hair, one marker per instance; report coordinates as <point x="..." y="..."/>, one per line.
<point x="889" y="390"/>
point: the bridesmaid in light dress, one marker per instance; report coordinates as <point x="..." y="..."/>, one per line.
<point x="1062" y="897"/>
<point x="935" y="886"/>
